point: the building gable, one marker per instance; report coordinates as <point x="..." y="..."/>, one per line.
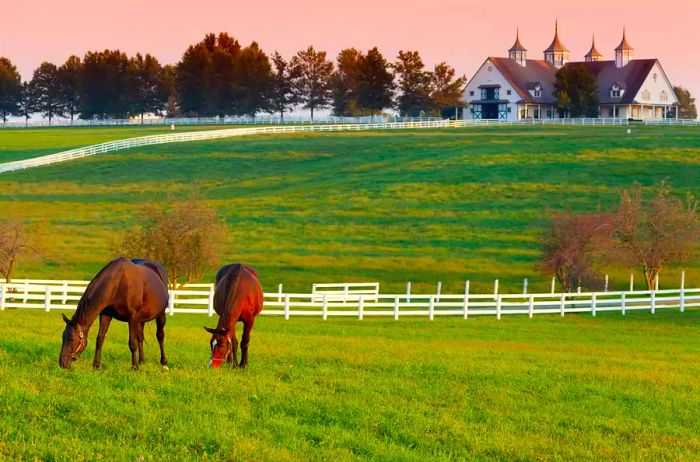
<point x="656" y="88"/>
<point x="490" y="75"/>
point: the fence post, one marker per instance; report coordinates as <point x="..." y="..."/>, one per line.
<point x="26" y="291"/>
<point x="531" y="307"/>
<point x="653" y="302"/>
<point x="431" y="308"/>
<point x="408" y="292"/>
<point x="279" y="293"/>
<point x="2" y="297"/>
<point x="65" y="292"/>
<point x="606" y="282"/>
<point x="465" y="307"/>
<point x="286" y="307"/>
<point x="396" y="308"/>
<point x="622" y="303"/>
<point x="361" y="308"/>
<point x="324" y="310"/>
<point x="656" y="282"/>
<point x="632" y="282"/>
<point x="561" y="305"/>
<point x="593" y="304"/>
<point x="495" y="289"/>
<point x="525" y="286"/>
<point x="210" y="302"/>
<point x="498" y="307"/>
<point x="554" y="283"/>
<point x="439" y="289"/>
<point x="682" y="301"/>
<point x="345" y="295"/>
<point x="47" y="299"/>
<point x="171" y="304"/>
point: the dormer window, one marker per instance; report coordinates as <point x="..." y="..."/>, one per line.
<point x="616" y="91"/>
<point x="536" y="90"/>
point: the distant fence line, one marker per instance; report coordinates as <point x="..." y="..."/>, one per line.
<point x="118" y="145"/>
<point x="199" y="299"/>
<point x="179" y="121"/>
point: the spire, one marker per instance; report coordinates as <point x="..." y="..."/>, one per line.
<point x="594" y="54"/>
<point x="517" y="52"/>
<point x="517" y="46"/>
<point x="624" y="45"/>
<point x="624" y="51"/>
<point x="557" y="54"/>
<point x="556" y="45"/>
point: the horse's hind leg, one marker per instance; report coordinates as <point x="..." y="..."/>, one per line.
<point x="104" y="325"/>
<point x="247" y="327"/>
<point x="140" y="338"/>
<point x="134" y="327"/>
<point x="160" y="335"/>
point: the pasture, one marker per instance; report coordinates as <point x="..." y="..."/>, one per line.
<point x="418" y="205"/>
<point x="574" y="388"/>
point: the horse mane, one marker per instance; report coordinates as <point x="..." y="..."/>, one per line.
<point x="91" y="291"/>
<point x="229" y="276"/>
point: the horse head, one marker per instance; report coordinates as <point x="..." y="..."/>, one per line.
<point x="221" y="347"/>
<point x="74" y="343"/>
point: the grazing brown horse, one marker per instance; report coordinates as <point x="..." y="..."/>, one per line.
<point x="133" y="291"/>
<point x="238" y="297"/>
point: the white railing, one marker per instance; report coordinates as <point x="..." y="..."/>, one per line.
<point x="199" y="299"/>
<point x="179" y="121"/>
<point x="118" y="145"/>
<point x="674" y="122"/>
<point x="567" y="122"/>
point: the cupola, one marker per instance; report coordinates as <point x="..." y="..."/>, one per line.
<point x="517" y="52"/>
<point x="623" y="52"/>
<point x="557" y="54"/>
<point x="594" y="54"/>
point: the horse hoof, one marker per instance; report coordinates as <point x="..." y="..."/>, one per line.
<point x="165" y="367"/>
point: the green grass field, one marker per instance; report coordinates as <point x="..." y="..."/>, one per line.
<point x="423" y="205"/>
<point x="577" y="388"/>
<point x="23" y="143"/>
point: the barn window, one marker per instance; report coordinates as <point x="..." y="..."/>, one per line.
<point x="615" y="91"/>
<point x="646" y="95"/>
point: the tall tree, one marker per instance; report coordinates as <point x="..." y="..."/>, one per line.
<point x="10" y="89"/>
<point x="576" y="91"/>
<point x="105" y="84"/>
<point x="191" y="81"/>
<point x="447" y="92"/>
<point x="252" y="81"/>
<point x="69" y="76"/>
<point x="46" y="87"/>
<point x="148" y="88"/>
<point x="414" y="84"/>
<point x="654" y="233"/>
<point x="282" y="86"/>
<point x="344" y="83"/>
<point x="375" y="82"/>
<point x="313" y="85"/>
<point x="686" y="108"/>
<point x="27" y="103"/>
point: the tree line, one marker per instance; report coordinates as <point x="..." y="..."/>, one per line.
<point x="220" y="77"/>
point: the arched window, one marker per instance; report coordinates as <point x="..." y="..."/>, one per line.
<point x="663" y="96"/>
<point x="646" y="95"/>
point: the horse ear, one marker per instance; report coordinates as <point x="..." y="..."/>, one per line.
<point x="210" y="330"/>
<point x="65" y="319"/>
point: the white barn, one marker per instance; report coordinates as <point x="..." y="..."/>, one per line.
<point x="517" y="88"/>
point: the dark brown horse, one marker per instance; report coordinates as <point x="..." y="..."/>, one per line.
<point x="238" y="297"/>
<point x="133" y="291"/>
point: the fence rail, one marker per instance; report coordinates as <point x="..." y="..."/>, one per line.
<point x="64" y="295"/>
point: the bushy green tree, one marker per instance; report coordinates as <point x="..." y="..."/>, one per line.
<point x="10" y="89"/>
<point x="283" y="94"/>
<point x="413" y="84"/>
<point x="446" y="90"/>
<point x="375" y="82"/>
<point x="148" y="87"/>
<point x="686" y="104"/>
<point x="69" y="75"/>
<point x="314" y="82"/>
<point x="344" y="83"/>
<point x="576" y="92"/>
<point x="46" y="89"/>
<point x="105" y="85"/>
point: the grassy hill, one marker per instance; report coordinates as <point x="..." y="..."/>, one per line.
<point x="423" y="205"/>
<point x="577" y="388"/>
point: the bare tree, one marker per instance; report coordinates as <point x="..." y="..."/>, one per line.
<point x="571" y="247"/>
<point x="655" y="233"/>
<point x="15" y="241"/>
<point x="186" y="237"/>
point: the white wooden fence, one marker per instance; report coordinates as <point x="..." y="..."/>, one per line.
<point x="118" y="145"/>
<point x="198" y="299"/>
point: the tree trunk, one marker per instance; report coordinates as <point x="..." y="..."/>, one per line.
<point x="312" y="114"/>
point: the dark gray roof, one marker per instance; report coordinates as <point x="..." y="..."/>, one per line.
<point x="522" y="78"/>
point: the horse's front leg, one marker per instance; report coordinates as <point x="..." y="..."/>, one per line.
<point x="160" y="335"/>
<point x="104" y="325"/>
<point x="134" y="342"/>
<point x="233" y="357"/>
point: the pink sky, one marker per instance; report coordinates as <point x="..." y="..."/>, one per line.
<point x="461" y="32"/>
